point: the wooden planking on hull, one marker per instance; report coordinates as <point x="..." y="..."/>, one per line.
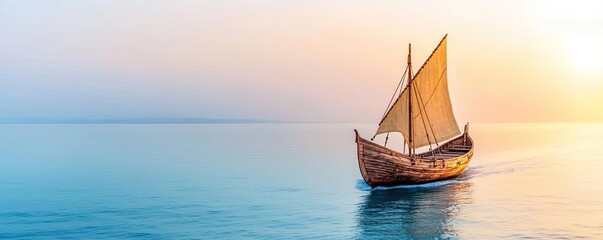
<point x="381" y="166"/>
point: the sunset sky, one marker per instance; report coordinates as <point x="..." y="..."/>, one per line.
<point x="325" y="61"/>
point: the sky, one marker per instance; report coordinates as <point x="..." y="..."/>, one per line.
<point x="322" y="61"/>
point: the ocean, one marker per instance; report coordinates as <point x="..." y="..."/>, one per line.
<point x="290" y="181"/>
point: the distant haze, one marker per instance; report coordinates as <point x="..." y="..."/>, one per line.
<point x="329" y="61"/>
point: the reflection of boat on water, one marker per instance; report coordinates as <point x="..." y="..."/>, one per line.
<point x="412" y="213"/>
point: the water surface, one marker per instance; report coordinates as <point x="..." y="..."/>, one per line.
<point x="298" y="181"/>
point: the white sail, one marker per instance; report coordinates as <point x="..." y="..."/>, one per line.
<point x="433" y="119"/>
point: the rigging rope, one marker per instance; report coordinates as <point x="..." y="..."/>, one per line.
<point x="421" y="110"/>
<point x="393" y="96"/>
<point x="386" y="138"/>
<point x="400" y="83"/>
<point x="427" y="116"/>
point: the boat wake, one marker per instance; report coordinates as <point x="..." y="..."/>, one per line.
<point x="363" y="186"/>
<point x="469" y="174"/>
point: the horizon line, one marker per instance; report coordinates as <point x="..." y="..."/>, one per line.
<point x="194" y="120"/>
<point x="185" y="120"/>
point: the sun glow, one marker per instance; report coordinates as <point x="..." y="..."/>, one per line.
<point x="585" y="53"/>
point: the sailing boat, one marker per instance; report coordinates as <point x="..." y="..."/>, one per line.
<point x="423" y="114"/>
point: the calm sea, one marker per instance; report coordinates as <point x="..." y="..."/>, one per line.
<point x="289" y="181"/>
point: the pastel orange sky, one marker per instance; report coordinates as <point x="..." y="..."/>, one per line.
<point x="333" y="61"/>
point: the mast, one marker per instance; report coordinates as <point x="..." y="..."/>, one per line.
<point x="410" y="132"/>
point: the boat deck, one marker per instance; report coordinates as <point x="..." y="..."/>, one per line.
<point x="449" y="150"/>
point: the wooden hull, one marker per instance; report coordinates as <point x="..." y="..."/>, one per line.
<point x="381" y="166"/>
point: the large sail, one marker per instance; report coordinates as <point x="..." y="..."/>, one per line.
<point x="433" y="119"/>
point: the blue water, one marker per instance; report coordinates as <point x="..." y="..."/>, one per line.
<point x="289" y="181"/>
